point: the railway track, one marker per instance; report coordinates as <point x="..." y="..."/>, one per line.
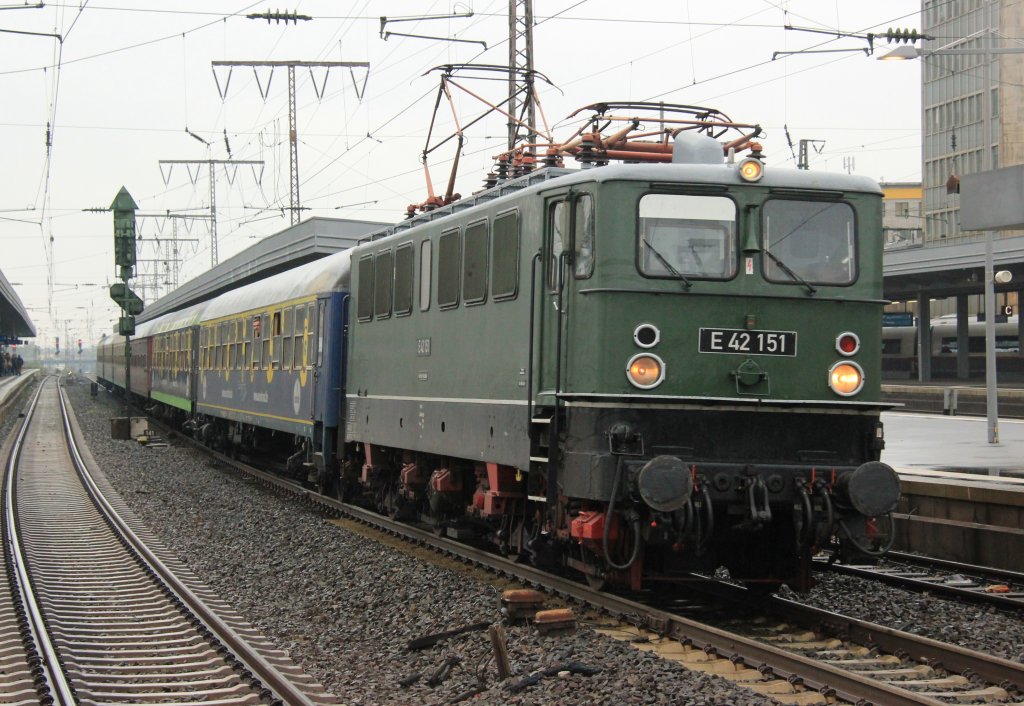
<point x="1001" y="588"/>
<point x="102" y="617"/>
<point x="806" y="656"/>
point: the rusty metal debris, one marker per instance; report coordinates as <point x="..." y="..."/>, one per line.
<point x="571" y="667"/>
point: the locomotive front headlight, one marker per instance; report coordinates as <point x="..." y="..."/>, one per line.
<point x="645" y="370"/>
<point x="846" y="378"/>
<point x="751" y="169"/>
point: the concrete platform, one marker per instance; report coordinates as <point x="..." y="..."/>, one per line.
<point x="11" y="389"/>
<point x="954" y="398"/>
<point x="963" y="498"/>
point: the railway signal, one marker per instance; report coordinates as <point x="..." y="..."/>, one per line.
<point x="124" y="208"/>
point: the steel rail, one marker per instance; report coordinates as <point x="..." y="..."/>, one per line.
<point x="276" y="682"/>
<point x="970" y="569"/>
<point x="57" y="685"/>
<point x="1013" y="601"/>
<point x="778" y="662"/>
<point x="953" y="658"/>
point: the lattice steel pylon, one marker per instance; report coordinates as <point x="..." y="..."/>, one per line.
<point x="520" y="70"/>
<point x="212" y="163"/>
<point x="294" y="204"/>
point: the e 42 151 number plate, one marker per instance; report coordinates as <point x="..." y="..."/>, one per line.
<point x="744" y="342"/>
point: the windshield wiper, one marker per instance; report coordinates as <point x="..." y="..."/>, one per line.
<point x="811" y="289"/>
<point x="668" y="265"/>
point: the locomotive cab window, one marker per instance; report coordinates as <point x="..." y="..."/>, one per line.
<point x="814" y="239"/>
<point x="689" y="235"/>
<point x="558" y="231"/>
<point x="583" y="236"/>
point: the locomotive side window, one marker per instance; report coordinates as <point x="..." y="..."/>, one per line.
<point x="693" y="236"/>
<point x="425" y="280"/>
<point x="558" y="230"/>
<point x="383" y="273"/>
<point x="583" y="236"/>
<point x="505" y="261"/>
<point x="474" y="263"/>
<point x="814" y="239"/>
<point x="365" y="293"/>
<point x="403" y="279"/>
<point x="448" y="262"/>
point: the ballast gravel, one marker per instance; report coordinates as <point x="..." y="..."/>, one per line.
<point x="345" y="606"/>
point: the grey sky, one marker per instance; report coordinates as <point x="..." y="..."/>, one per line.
<point x="135" y="73"/>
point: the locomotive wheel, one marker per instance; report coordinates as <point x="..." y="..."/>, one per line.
<point x="597" y="583"/>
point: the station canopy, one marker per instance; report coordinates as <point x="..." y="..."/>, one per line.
<point x="14" y="321"/>
<point x="307" y="241"/>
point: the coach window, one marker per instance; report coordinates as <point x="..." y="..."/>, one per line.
<point x="448" y="262"/>
<point x="558" y="227"/>
<point x="243" y="337"/>
<point x="403" y="279"/>
<point x="301" y="312"/>
<point x="320" y="326"/>
<point x="474" y="263"/>
<point x="425" y="279"/>
<point x="505" y="257"/>
<point x="689" y="235"/>
<point x="222" y="354"/>
<point x="383" y="274"/>
<point x="365" y="292"/>
<point x="215" y="348"/>
<point x="257" y="343"/>
<point x="583" y="236"/>
<point x="275" y="350"/>
<point x="815" y="239"/>
<point x="268" y="336"/>
<point x="289" y="330"/>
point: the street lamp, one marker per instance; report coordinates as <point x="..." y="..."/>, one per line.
<point x="912" y="52"/>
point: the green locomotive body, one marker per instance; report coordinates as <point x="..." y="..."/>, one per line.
<point x="634" y="370"/>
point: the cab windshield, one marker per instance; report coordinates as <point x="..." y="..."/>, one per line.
<point x="814" y="239"/>
<point x="686" y="235"/>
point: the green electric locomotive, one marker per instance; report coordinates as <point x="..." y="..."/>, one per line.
<point x="635" y="369"/>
